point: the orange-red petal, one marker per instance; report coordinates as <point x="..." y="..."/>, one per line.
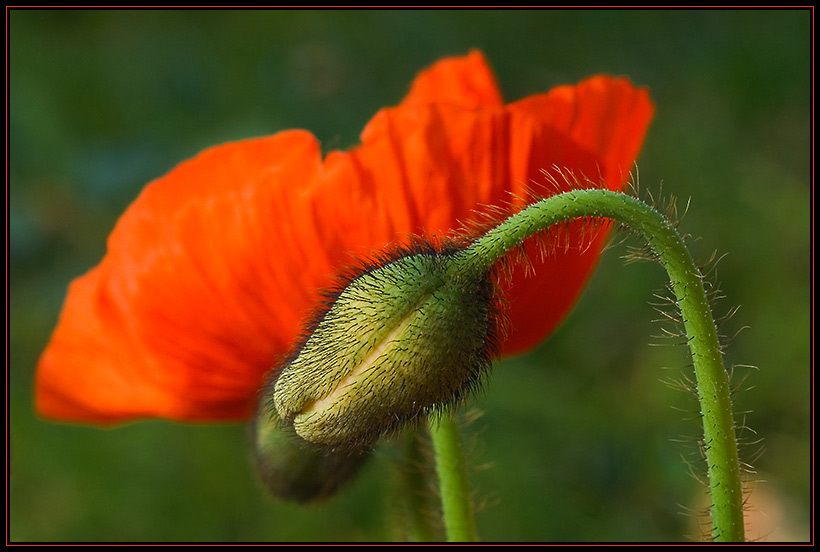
<point x="201" y="289"/>
<point x="595" y="129"/>
<point x="210" y="272"/>
<point x="465" y="81"/>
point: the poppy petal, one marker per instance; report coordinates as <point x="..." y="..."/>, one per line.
<point x="210" y="271"/>
<point x="423" y="169"/>
<point x="594" y="129"/>
<point x="466" y="81"/>
<point x="195" y="298"/>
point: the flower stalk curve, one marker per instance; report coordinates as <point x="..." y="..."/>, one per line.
<point x="720" y="441"/>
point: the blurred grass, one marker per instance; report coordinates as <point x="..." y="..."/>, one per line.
<point x="582" y="440"/>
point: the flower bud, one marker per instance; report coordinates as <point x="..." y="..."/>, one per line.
<point x="294" y="469"/>
<point x="402" y="339"/>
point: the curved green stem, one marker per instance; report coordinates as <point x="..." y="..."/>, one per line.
<point x="456" y="504"/>
<point x="712" y="380"/>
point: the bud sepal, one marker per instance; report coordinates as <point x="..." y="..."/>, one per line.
<point x="297" y="470"/>
<point x="405" y="336"/>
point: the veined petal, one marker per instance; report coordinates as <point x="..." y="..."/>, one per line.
<point x="211" y="271"/>
<point x="466" y="81"/>
<point x="424" y="169"/>
<point x="595" y="130"/>
<point x="202" y="288"/>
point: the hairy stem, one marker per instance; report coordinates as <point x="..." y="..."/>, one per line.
<point x="413" y="483"/>
<point x="456" y="503"/>
<point x="720" y="442"/>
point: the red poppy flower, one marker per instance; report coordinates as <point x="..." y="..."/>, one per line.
<point x="210" y="272"/>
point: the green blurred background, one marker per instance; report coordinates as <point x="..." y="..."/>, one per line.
<point x="580" y="440"/>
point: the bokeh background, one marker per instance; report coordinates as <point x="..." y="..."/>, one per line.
<point x="579" y="441"/>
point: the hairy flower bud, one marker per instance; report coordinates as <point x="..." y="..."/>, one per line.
<point x="403" y="338"/>
<point x="294" y="469"/>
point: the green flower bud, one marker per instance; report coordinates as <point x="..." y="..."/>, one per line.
<point x="294" y="469"/>
<point x="403" y="338"/>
